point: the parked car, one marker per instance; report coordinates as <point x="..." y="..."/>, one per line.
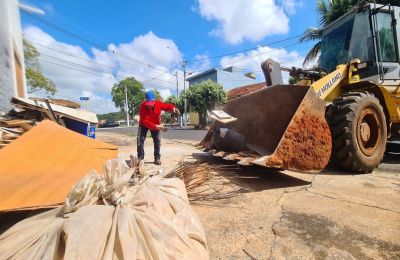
<point x="109" y="124"/>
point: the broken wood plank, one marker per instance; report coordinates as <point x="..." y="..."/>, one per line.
<point x="27" y="127"/>
<point x="48" y="114"/>
<point x="15" y="122"/>
<point x="8" y="137"/>
<point x="51" y="111"/>
<point x="15" y="131"/>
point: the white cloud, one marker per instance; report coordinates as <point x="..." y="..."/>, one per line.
<point x="75" y="77"/>
<point x="290" y="6"/>
<point x="147" y="49"/>
<point x="99" y="104"/>
<point x="247" y="19"/>
<point x="251" y="61"/>
<point x="201" y="62"/>
<point x="165" y="93"/>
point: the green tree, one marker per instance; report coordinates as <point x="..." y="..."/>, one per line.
<point x="328" y="11"/>
<point x="113" y="116"/>
<point x="157" y="94"/>
<point x="178" y="102"/>
<point x="135" y="91"/>
<point x="204" y="96"/>
<point x="35" y="79"/>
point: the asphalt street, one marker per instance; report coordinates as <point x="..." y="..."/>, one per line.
<point x="173" y="133"/>
<point x="390" y="163"/>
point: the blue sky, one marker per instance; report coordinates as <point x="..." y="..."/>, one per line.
<point x="88" y="46"/>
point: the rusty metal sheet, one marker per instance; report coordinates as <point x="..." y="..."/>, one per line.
<point x="306" y="143"/>
<point x="39" y="168"/>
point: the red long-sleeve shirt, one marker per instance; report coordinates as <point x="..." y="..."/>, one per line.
<point x="149" y="118"/>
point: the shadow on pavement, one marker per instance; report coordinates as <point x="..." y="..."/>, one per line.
<point x="392" y="158"/>
<point x="251" y="178"/>
<point x="260" y="178"/>
<point x="392" y="155"/>
<point x="390" y="162"/>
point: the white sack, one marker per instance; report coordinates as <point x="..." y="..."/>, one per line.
<point x="106" y="217"/>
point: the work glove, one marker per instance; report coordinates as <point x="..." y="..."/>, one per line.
<point x="176" y="111"/>
<point x="162" y="128"/>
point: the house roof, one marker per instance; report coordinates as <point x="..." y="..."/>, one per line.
<point x="244" y="90"/>
<point x="201" y="74"/>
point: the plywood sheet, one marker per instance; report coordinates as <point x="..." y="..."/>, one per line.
<point x="40" y="167"/>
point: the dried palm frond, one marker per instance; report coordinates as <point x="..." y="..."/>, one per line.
<point x="207" y="182"/>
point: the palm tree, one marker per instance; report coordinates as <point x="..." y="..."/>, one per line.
<point x="328" y="11"/>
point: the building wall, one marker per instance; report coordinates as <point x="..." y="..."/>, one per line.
<point x="194" y="118"/>
<point x="212" y="75"/>
<point x="232" y="80"/>
<point x="12" y="69"/>
<point x="229" y="78"/>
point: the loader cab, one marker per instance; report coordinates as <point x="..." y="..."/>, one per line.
<point x="369" y="33"/>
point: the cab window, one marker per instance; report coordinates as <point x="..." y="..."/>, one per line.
<point x="386" y="37"/>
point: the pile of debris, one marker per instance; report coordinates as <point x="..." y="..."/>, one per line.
<point x="65" y="184"/>
<point x="14" y="124"/>
<point x="29" y="112"/>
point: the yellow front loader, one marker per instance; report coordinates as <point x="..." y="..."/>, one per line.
<point x="344" y="110"/>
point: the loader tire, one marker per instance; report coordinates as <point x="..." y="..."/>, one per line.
<point x="359" y="131"/>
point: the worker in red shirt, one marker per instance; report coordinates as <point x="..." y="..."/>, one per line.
<point x="149" y="112"/>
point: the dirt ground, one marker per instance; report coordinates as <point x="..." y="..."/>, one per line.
<point x="290" y="215"/>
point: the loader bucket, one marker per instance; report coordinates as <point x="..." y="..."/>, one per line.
<point x="284" y="127"/>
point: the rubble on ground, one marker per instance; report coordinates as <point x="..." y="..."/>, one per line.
<point x="121" y="214"/>
<point x="29" y="112"/>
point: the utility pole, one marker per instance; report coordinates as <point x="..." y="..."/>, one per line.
<point x="177" y="86"/>
<point x="126" y="107"/>
<point x="184" y="92"/>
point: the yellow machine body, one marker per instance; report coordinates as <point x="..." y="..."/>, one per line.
<point x="357" y="87"/>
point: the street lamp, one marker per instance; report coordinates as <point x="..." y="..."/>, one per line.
<point x="184" y="90"/>
<point x="31" y="9"/>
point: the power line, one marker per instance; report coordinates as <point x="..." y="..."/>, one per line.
<point x="262" y="53"/>
<point x="257" y="62"/>
<point x="83" y="39"/>
<point x="75" y="66"/>
<point x="69" y="54"/>
<point x="245" y="58"/>
<point x="80" y="68"/>
<point x="162" y="74"/>
<point x="68" y="22"/>
<point x="246" y="50"/>
<point x="151" y="66"/>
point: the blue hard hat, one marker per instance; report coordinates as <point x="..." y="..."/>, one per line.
<point x="150" y="96"/>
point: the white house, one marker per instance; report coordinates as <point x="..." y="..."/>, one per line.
<point x="12" y="69"/>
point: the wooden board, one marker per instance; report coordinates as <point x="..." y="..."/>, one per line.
<point x="39" y="168"/>
<point x="15" y="122"/>
<point x="16" y="131"/>
<point x="72" y="113"/>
